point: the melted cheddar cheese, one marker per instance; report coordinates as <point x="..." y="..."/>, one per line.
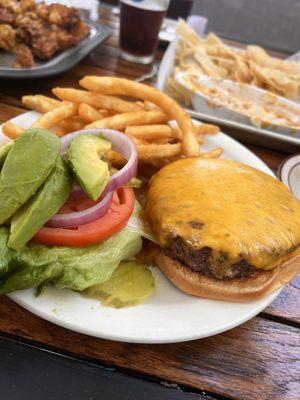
<point x="237" y="211"/>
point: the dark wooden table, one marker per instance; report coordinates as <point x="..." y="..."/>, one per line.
<point x="258" y="360"/>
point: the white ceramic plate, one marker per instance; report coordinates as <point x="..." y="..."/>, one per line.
<point x="289" y="174"/>
<point x="169" y="316"/>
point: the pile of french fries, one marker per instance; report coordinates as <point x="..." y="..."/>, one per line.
<point x="160" y="128"/>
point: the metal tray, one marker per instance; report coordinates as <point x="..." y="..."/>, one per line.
<point x="59" y="63"/>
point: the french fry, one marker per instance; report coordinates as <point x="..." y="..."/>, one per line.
<point x="150" y="106"/>
<point x="176" y="132"/>
<point x="116" y="158"/>
<point x="141" y="104"/>
<point x="158" y="151"/>
<point x="150" y="132"/>
<point x="12" y="130"/>
<point x="71" y="124"/>
<point x="88" y="114"/>
<point x="59" y="130"/>
<point x="40" y="103"/>
<point x="140" y="141"/>
<point x="53" y="117"/>
<point x="207" y="129"/>
<point x="122" y="121"/>
<point x="110" y="113"/>
<point x="215" y="153"/>
<point x="162" y="131"/>
<point x="105" y="113"/>
<point x="96" y="100"/>
<point x="161" y="162"/>
<point x="125" y="87"/>
<point x="162" y="141"/>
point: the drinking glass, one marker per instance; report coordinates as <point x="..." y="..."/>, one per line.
<point x="140" y="23"/>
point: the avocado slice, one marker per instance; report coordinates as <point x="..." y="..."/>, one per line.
<point x="4" y="150"/>
<point x="25" y="168"/>
<point x="46" y="202"/>
<point x="84" y="155"/>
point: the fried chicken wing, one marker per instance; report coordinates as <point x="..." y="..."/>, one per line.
<point x="27" y="5"/>
<point x="40" y="37"/>
<point x="43" y="29"/>
<point x="80" y="30"/>
<point x="9" y="9"/>
<point x="7" y="38"/>
<point x="24" y="58"/>
<point x="46" y="45"/>
<point x="62" y="16"/>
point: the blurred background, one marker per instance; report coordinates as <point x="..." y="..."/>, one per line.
<point x="270" y="23"/>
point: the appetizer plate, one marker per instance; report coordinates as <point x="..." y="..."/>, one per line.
<point x="169" y="315"/>
<point x="284" y="141"/>
<point x="59" y="63"/>
<point x="247" y="93"/>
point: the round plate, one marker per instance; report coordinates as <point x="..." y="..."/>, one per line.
<point x="169" y="315"/>
<point x="289" y="174"/>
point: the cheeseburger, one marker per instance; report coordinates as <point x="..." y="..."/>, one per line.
<point x="226" y="231"/>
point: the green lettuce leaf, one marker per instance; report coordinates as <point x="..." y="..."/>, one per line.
<point x="65" y="267"/>
<point x="139" y="224"/>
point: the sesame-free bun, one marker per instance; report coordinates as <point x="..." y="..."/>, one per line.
<point x="226" y="230"/>
<point x="238" y="289"/>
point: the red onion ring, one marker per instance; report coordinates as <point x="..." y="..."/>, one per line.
<point x="123" y="145"/>
<point x="120" y="143"/>
<point x="77" y="191"/>
<point x="77" y="218"/>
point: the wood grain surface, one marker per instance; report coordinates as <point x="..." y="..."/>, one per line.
<point x="258" y="360"/>
<point x="82" y="380"/>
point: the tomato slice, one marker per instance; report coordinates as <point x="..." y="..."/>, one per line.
<point x="113" y="221"/>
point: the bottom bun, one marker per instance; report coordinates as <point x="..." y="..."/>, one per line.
<point x="238" y="289"/>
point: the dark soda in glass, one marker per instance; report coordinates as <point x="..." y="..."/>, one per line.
<point x="140" y="23"/>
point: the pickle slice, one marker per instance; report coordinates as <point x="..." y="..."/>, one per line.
<point x="131" y="283"/>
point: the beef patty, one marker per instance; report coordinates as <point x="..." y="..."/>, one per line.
<point x="201" y="260"/>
